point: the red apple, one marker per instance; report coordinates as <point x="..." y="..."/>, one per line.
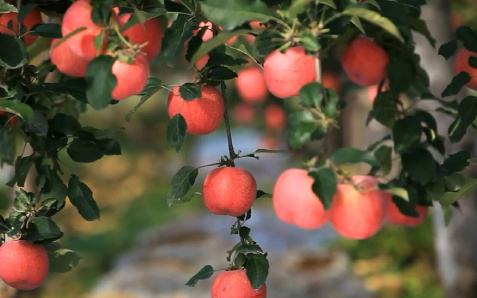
<point x="394" y="215"/>
<point x="131" y="77"/>
<point x="66" y="60"/>
<point x="235" y="284"/>
<point x="461" y="64"/>
<point x="9" y="24"/>
<point x="250" y="84"/>
<point x="275" y="117"/>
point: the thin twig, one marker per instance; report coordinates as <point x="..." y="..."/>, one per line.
<point x="232" y="153"/>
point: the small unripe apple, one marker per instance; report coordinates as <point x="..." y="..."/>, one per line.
<point x="131" y="77"/>
<point x="229" y="191"/>
<point x="250" y="84"/>
<point x="9" y="24"/>
<point x="295" y="202"/>
<point x="286" y="73"/>
<point x="358" y="210"/>
<point x="235" y="284"/>
<point x="395" y="216"/>
<point x="77" y="16"/>
<point x="150" y="33"/>
<point x="23" y="266"/>
<point x="66" y="60"/>
<point x="202" y="115"/>
<point x="365" y="62"/>
<point x="275" y="117"/>
<point x="461" y="64"/>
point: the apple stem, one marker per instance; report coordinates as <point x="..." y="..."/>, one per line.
<point x="232" y="154"/>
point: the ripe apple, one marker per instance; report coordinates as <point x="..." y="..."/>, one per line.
<point x="365" y="62"/>
<point x="150" y="33"/>
<point x="208" y="34"/>
<point x="244" y="113"/>
<point x="131" y="77"/>
<point x="202" y="115"/>
<point x="9" y="24"/>
<point x="229" y="191"/>
<point x="461" y="64"/>
<point x="235" y="284"/>
<point x="275" y="117"/>
<point x="250" y="84"/>
<point x="394" y="215"/>
<point x="286" y="73"/>
<point x="77" y="16"/>
<point x="358" y="210"/>
<point x="295" y="202"/>
<point x="24" y="266"/>
<point x="66" y="60"/>
<point x="331" y="81"/>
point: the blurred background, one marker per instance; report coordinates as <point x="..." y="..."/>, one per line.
<point x="141" y="248"/>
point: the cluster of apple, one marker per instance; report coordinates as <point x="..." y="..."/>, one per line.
<point x="79" y="46"/>
<point x="358" y="210"/>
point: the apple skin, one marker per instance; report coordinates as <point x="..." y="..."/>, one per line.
<point x="250" y="84"/>
<point x="295" y="202"/>
<point x="32" y="18"/>
<point x="365" y="62"/>
<point x="235" y="284"/>
<point x="229" y="191"/>
<point x="77" y="16"/>
<point x="275" y="117"/>
<point x="24" y="266"/>
<point x="202" y="115"/>
<point x="286" y="73"/>
<point x="149" y="33"/>
<point x="131" y="77"/>
<point x="66" y="60"/>
<point x="461" y="64"/>
<point x="358" y="211"/>
<point x="394" y="215"/>
<point x="331" y="81"/>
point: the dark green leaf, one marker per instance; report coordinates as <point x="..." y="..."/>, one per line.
<point x="176" y="36"/>
<point x="18" y="108"/>
<point x="43" y="229"/>
<point x="311" y="95"/>
<point x="384" y="159"/>
<point x="100" y="82"/>
<point x="257" y="269"/>
<point x="301" y="126"/>
<point x="468" y="37"/>
<point x="62" y="260"/>
<point x="176" y="131"/>
<point x="220" y="73"/>
<point x="352" y="155"/>
<point x="458" y="82"/>
<point x="384" y="108"/>
<point x="455" y="162"/>
<point x="12" y="52"/>
<point x="466" y="115"/>
<point x="448" y="49"/>
<point x="81" y="150"/>
<point x="50" y="30"/>
<point x="420" y="165"/>
<point x="190" y="91"/>
<point x="181" y="184"/>
<point x="324" y="185"/>
<point x="407" y="133"/>
<point x="82" y="198"/>
<point x="213" y="43"/>
<point x="22" y="168"/>
<point x="204" y="273"/>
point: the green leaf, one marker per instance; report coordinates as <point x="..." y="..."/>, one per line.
<point x="448" y="49"/>
<point x="100" y="82"/>
<point x="383" y="157"/>
<point x="420" y="165"/>
<point x="407" y="133"/>
<point x="43" y="229"/>
<point x="374" y="18"/>
<point x="455" y="162"/>
<point x="301" y="126"/>
<point x="220" y="73"/>
<point x="311" y="95"/>
<point x="257" y="267"/>
<point x="352" y="155"/>
<point x="50" y="30"/>
<point x="324" y="185"/>
<point x="176" y="131"/>
<point x="81" y="150"/>
<point x="384" y="108"/>
<point x="458" y="82"/>
<point x="205" y="273"/>
<point x="22" y="168"/>
<point x="190" y="91"/>
<point x="82" y="198"/>
<point x="181" y="184"/>
<point x="62" y="260"/>
<point x="214" y="43"/>
<point x="449" y="198"/>
<point x="5" y="7"/>
<point x="233" y="13"/>
<point x="466" y="115"/>
<point x="18" y="108"/>
<point x="12" y="52"/>
<point x="176" y="36"/>
<point x="468" y="37"/>
<point x="152" y="87"/>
